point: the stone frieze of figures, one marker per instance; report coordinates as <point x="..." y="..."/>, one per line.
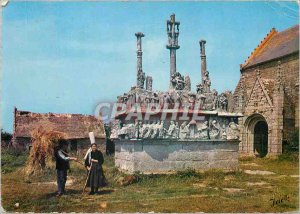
<point x="213" y="129"/>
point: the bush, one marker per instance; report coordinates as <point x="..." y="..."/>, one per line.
<point x="5" y="136"/>
<point x="107" y="129"/>
<point x="110" y="146"/>
<point x="292" y="145"/>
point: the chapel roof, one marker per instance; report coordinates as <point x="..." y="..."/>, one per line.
<point x="275" y="45"/>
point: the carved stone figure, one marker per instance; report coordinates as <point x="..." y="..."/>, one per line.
<point x="193" y="129"/>
<point x="147" y="99"/>
<point x="176" y="97"/>
<point x="161" y="130"/>
<point x="184" y="97"/>
<point x="214" y="131"/>
<point x="187" y="83"/>
<point x="215" y="99"/>
<point x="233" y="132"/>
<point x="149" y="83"/>
<point x="224" y="135"/>
<point x="201" y="100"/>
<point x="172" y="130"/>
<point x="223" y="102"/>
<point x="208" y="102"/>
<point x="145" y="129"/>
<point x="127" y="131"/>
<point x="177" y="81"/>
<point x="136" y="129"/>
<point x="199" y="88"/>
<point x="130" y="100"/>
<point x="206" y="82"/>
<point x="149" y="130"/>
<point x="155" y="131"/>
<point x="184" y="130"/>
<point x="140" y="79"/>
<point x="176" y="134"/>
<point x="141" y="130"/>
<point x="203" y="130"/>
<point x="167" y="98"/>
<point x="191" y="97"/>
<point x="115" y="127"/>
<point x="155" y="98"/>
<point x="123" y="98"/>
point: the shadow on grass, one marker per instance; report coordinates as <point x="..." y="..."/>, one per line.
<point x="74" y="192"/>
<point x="106" y="191"/>
<point x="49" y="195"/>
<point x="100" y="192"/>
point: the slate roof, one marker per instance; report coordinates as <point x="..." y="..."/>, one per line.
<point x="275" y="45"/>
<point x="75" y="126"/>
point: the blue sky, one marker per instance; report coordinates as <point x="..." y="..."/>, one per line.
<point x="67" y="57"/>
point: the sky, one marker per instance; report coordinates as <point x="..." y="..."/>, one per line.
<point x="67" y="57"/>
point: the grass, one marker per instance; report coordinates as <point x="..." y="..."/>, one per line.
<point x="11" y="160"/>
<point x="185" y="191"/>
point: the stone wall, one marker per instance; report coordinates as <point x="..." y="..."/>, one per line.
<point x="163" y="155"/>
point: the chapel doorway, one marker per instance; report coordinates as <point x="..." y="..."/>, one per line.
<point x="261" y="139"/>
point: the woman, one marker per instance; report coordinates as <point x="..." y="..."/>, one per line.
<point x="93" y="163"/>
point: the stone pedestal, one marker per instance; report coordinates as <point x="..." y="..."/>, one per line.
<point x="167" y="155"/>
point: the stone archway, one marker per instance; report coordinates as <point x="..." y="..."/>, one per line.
<point x="257" y="135"/>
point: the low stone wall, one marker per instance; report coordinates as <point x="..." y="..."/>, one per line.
<point x="163" y="155"/>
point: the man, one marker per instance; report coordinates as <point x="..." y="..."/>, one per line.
<point x="62" y="166"/>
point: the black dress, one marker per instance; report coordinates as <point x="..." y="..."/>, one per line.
<point x="96" y="178"/>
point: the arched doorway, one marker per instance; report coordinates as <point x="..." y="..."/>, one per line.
<point x="261" y="139"/>
<point x="257" y="135"/>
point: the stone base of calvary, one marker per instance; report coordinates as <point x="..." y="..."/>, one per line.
<point x="163" y="155"/>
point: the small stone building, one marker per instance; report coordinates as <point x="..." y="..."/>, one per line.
<point x="267" y="94"/>
<point x="76" y="128"/>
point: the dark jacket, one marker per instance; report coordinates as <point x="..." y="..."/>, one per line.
<point x="97" y="155"/>
<point x="62" y="162"/>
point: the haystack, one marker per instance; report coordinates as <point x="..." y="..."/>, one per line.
<point x="41" y="155"/>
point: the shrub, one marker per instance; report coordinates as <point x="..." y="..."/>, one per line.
<point x="292" y="144"/>
<point x="5" y="136"/>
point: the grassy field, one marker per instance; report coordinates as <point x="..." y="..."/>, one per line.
<point x="188" y="191"/>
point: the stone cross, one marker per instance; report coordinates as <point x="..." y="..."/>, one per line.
<point x="139" y="65"/>
<point x="149" y="83"/>
<point x="173" y="33"/>
<point x="187" y="82"/>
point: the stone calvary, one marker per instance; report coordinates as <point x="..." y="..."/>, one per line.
<point x="178" y="129"/>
